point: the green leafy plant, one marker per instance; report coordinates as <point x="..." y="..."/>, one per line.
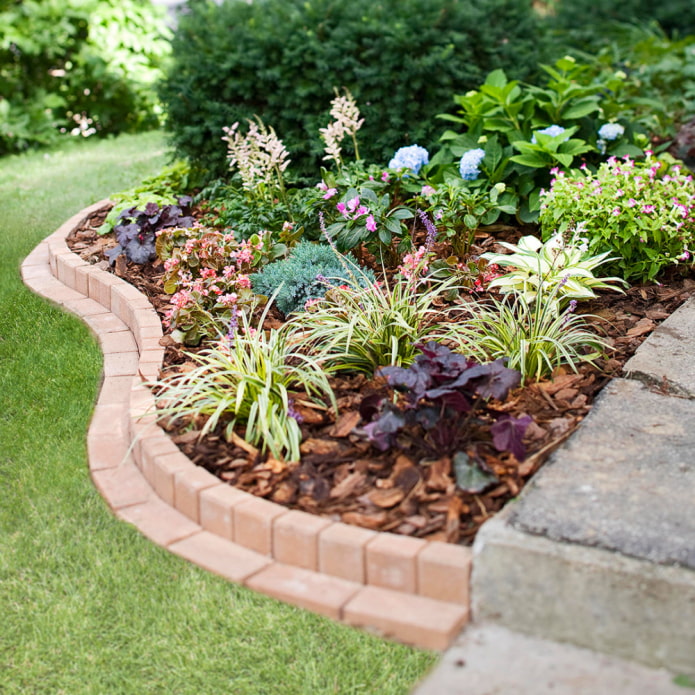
<point x="248" y="379"/>
<point x="305" y="275"/>
<point x="641" y="212"/>
<point x="515" y="134"/>
<point x="279" y="58"/>
<point x="533" y="337"/>
<point x="361" y="326"/>
<point x="559" y="267"/>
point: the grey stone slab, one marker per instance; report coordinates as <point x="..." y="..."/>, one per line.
<point x="667" y="356"/>
<point x="489" y="660"/>
<point x="592" y="598"/>
<point x="624" y="482"/>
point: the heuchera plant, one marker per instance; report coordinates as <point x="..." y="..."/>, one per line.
<point x="445" y="403"/>
<point x="137" y="229"/>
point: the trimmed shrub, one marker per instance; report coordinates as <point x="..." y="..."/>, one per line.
<point x="402" y="60"/>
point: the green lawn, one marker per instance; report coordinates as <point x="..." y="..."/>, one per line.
<point x="87" y="605"/>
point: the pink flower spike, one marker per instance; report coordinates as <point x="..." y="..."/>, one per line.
<point x="371" y="224"/>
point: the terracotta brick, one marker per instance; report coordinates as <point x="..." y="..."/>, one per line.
<point x="164" y="468"/>
<point x="109" y="420"/>
<point x="125" y="300"/>
<point x="188" y="484"/>
<point x="115" y="390"/>
<point x="151" y="448"/>
<point x="106" y="451"/>
<point x="149" y="371"/>
<point x="37" y="257"/>
<point x="45" y="286"/>
<point x="35" y="272"/>
<point x="105" y="323"/>
<point x="100" y="285"/>
<point x="122" y="486"/>
<point x="82" y="274"/>
<point x="113" y="343"/>
<point x="296" y="539"/>
<point x="121" y="363"/>
<point x="444" y="572"/>
<point x="152" y="354"/>
<point x="392" y="562"/>
<point x="85" y="307"/>
<point x="316" y="592"/>
<point x="141" y="429"/>
<point x="220" y="556"/>
<point x="342" y="551"/>
<point x="253" y="524"/>
<point x="217" y="509"/>
<point x="159" y="522"/>
<point x="417" y="620"/>
<point x="65" y="268"/>
<point x="147" y="325"/>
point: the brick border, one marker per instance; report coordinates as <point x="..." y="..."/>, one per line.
<point x="409" y="589"/>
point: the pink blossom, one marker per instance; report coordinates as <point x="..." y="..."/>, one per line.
<point x="243" y="282"/>
<point x="648" y="209"/>
<point x="208" y="273"/>
<point x="631" y="203"/>
<point x="353" y="204"/>
<point x="229" y="299"/>
<point x="370" y="224"/>
<point x="330" y="193"/>
<point x="322" y="186"/>
<point x="340" y="207"/>
<point x="385" y="176"/>
<point x="427" y="191"/>
<point x="616" y="211"/>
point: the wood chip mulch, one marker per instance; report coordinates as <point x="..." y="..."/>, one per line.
<point x="343" y="478"/>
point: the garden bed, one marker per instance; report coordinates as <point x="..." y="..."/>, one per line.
<point x="342" y="477"/>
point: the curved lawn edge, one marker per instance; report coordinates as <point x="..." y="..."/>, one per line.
<point x="412" y="590"/>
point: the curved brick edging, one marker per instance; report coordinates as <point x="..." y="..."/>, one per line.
<point x="410" y="589"/>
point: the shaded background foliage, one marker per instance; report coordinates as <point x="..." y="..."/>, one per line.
<point x="281" y="59"/>
<point x="78" y="64"/>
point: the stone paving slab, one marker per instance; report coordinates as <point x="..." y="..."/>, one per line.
<point x="491" y="660"/>
<point x="624" y="482"/>
<point x="666" y="357"/>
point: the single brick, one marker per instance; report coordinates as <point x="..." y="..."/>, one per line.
<point x="417" y="620"/>
<point x="85" y="307"/>
<point x="220" y="556"/>
<point x="37" y="257"/>
<point x="147" y="325"/>
<point x="444" y="571"/>
<point x="217" y="509"/>
<point x="65" y="268"/>
<point x="296" y="539"/>
<point x="342" y="551"/>
<point x="114" y="343"/>
<point x="82" y="274"/>
<point x="392" y="562"/>
<point x="316" y="592"/>
<point x="115" y="390"/>
<point x="105" y="323"/>
<point x="159" y="522"/>
<point x="152" y="448"/>
<point x="125" y="301"/>
<point x="106" y="451"/>
<point x="109" y="420"/>
<point x="100" y="285"/>
<point x="188" y="484"/>
<point x="253" y="524"/>
<point x="164" y="468"/>
<point x="122" y="486"/>
<point x="31" y="273"/>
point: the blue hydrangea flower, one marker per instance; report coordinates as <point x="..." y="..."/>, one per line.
<point x="412" y="157"/>
<point x="551" y="130"/>
<point x="610" y="131"/>
<point x="468" y="167"/>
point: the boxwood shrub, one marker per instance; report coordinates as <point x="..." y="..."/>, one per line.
<point x="281" y="59"/>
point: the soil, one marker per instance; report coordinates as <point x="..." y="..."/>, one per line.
<point x="342" y="477"/>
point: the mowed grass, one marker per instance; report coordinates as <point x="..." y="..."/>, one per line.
<point x="87" y="605"/>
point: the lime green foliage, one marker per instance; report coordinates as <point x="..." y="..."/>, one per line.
<point x="280" y="59"/>
<point x="88" y="605"/>
<point x="526" y="130"/>
<point x="362" y="326"/>
<point x="79" y="67"/>
<point x="533" y="336"/>
<point x="305" y="275"/>
<point x="246" y="379"/>
<point x="559" y="267"/>
<point x="641" y="212"/>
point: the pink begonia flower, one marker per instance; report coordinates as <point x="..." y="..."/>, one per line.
<point x="229" y="299"/>
<point x="353" y="204"/>
<point x="371" y="224"/>
<point x="330" y="192"/>
<point x="427" y="191"/>
<point x="243" y="282"/>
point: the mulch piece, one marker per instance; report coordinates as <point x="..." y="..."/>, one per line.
<point x="342" y="477"/>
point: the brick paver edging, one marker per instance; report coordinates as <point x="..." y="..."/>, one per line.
<point x="409" y="589"/>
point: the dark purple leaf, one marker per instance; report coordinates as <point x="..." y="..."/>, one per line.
<point x="508" y="433"/>
<point x="498" y="382"/>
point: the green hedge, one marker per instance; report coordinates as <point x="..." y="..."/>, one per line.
<point x="281" y="59"/>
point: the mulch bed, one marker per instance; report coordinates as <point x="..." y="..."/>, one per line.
<point x="343" y="478"/>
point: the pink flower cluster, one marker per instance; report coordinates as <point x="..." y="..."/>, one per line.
<point x="355" y="210"/>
